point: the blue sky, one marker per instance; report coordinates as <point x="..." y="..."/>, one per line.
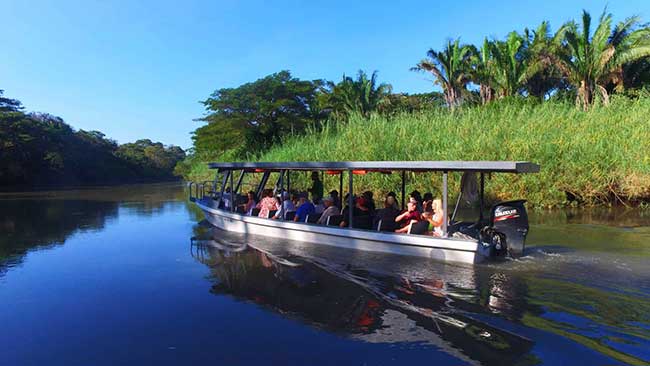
<point x="138" y="69"/>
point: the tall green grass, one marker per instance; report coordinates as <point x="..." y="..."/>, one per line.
<point x="600" y="157"/>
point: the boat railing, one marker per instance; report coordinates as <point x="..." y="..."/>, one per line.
<point x="199" y="190"/>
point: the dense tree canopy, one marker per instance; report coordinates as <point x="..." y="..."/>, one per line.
<point x="38" y="149"/>
<point x="256" y="114"/>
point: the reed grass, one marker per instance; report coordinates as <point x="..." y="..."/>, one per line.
<point x="601" y="156"/>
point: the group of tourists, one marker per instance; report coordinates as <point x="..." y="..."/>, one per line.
<point x="297" y="206"/>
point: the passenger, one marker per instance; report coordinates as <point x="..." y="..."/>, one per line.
<point x="267" y="204"/>
<point x="316" y="189"/>
<point x="336" y="199"/>
<point x="226" y="198"/>
<point x="250" y="203"/>
<point x="418" y="198"/>
<point x="304" y="208"/>
<point x="330" y="210"/>
<point x="427" y="197"/>
<point x="360" y="209"/>
<point x="318" y="206"/>
<point x="435" y="217"/>
<point x="387" y="214"/>
<point x="411" y="216"/>
<point x="287" y="206"/>
<point x="394" y="195"/>
<point x="370" y="201"/>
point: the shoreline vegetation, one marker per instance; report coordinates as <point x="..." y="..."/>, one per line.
<point x="575" y="100"/>
<point x="40" y="151"/>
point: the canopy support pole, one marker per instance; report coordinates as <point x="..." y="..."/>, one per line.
<point x="482" y="192"/>
<point x="232" y="192"/>
<point x="223" y="186"/>
<point x="240" y="180"/>
<point x="288" y="185"/>
<point x="341" y="195"/>
<point x="403" y="188"/>
<point x="260" y="187"/>
<point x="444" y="204"/>
<point x="350" y="200"/>
<point x="282" y="193"/>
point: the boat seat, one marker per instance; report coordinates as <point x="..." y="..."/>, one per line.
<point x="388" y="226"/>
<point x="255" y="212"/>
<point x="239" y="210"/>
<point x="362" y="222"/>
<point x="290" y="215"/>
<point x="334" y="220"/>
<point x="419" y="228"/>
<point x="272" y="213"/>
<point x="312" y="218"/>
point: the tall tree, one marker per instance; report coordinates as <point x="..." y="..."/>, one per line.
<point x="451" y="69"/>
<point x="509" y="65"/>
<point x="257" y="114"/>
<point x="593" y="60"/>
<point x="362" y="95"/>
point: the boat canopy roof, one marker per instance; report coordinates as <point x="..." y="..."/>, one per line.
<point x="383" y="166"/>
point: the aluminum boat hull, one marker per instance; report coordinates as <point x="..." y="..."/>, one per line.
<point x="442" y="249"/>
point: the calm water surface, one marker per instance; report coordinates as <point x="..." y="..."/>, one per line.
<point x="130" y="276"/>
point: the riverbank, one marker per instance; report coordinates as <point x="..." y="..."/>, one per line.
<point x="598" y="157"/>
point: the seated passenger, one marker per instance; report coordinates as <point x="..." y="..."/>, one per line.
<point x="337" y="200"/>
<point x="330" y="210"/>
<point x="360" y="209"/>
<point x="411" y="216"/>
<point x="267" y="204"/>
<point x="368" y="195"/>
<point x="388" y="213"/>
<point x="250" y="204"/>
<point x="435" y="217"/>
<point x="287" y="206"/>
<point x="318" y="206"/>
<point x="304" y="208"/>
<point x="418" y="199"/>
<point x="394" y="195"/>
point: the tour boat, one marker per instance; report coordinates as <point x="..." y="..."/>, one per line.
<point x="501" y="234"/>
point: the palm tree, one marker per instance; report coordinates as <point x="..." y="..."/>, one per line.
<point x="481" y="71"/>
<point x="509" y="65"/>
<point x="593" y="60"/>
<point x="363" y="95"/>
<point x="543" y="75"/>
<point x="451" y="69"/>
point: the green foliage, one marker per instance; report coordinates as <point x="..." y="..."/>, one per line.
<point x="361" y="95"/>
<point x="580" y="153"/>
<point x="256" y="115"/>
<point x="451" y="69"/>
<point x="39" y="149"/>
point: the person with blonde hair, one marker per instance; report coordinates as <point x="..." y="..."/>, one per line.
<point x="435" y="215"/>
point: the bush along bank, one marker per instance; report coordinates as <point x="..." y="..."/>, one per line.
<point x="595" y="157"/>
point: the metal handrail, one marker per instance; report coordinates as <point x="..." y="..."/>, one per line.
<point x="196" y="191"/>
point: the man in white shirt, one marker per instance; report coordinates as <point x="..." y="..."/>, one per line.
<point x="287" y="206"/>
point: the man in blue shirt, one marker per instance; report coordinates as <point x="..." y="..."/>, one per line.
<point x="305" y="207"/>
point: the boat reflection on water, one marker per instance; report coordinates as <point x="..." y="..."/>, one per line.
<point x="362" y="303"/>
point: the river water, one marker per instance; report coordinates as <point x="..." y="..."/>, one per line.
<point x="132" y="276"/>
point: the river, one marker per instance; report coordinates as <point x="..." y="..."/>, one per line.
<point x="131" y="276"/>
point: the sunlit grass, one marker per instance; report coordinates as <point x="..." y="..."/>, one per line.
<point x="599" y="156"/>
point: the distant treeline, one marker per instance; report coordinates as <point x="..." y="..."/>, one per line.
<point x="41" y="150"/>
<point x="583" y="62"/>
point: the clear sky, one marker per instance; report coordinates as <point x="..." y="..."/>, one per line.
<point x="138" y="69"/>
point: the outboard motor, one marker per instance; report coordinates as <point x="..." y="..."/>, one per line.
<point x="509" y="228"/>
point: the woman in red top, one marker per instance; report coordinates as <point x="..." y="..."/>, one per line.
<point x="411" y="216"/>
